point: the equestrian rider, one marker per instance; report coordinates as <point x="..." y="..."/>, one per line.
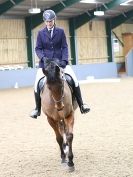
<point x="51" y="43"/>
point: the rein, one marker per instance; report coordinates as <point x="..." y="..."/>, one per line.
<point x="61" y="99"/>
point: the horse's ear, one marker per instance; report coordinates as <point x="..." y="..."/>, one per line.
<point x="57" y="69"/>
<point x="45" y="72"/>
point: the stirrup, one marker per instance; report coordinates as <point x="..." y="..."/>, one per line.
<point x="35" y="113"/>
<point x="84" y="109"/>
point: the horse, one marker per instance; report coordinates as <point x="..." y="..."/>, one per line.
<point x="59" y="107"/>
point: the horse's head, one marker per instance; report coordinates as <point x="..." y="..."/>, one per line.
<point x="52" y="71"/>
<point x="55" y="82"/>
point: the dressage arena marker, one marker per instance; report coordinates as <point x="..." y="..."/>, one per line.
<point x="16" y="85"/>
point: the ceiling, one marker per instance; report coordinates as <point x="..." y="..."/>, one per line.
<point x="21" y="10"/>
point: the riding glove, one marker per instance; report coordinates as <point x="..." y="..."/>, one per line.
<point x="44" y="59"/>
<point x="62" y="64"/>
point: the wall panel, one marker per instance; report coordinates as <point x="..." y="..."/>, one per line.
<point x="12" y="42"/>
<point x="91" y="43"/>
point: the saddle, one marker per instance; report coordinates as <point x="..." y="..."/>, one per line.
<point x="41" y="85"/>
<point x="70" y="82"/>
<point x="68" y="78"/>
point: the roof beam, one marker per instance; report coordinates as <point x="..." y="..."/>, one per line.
<point x="4" y="7"/>
<point x="116" y="21"/>
<point x="72" y="41"/>
<point x="29" y="42"/>
<point x="89" y="15"/>
<point x="109" y="40"/>
<point x="13" y="2"/>
<point x="37" y="19"/>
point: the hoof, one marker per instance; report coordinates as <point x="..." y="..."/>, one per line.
<point x="70" y="169"/>
<point x="64" y="163"/>
<point x="67" y="168"/>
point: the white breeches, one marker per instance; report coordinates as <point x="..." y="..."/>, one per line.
<point x="67" y="70"/>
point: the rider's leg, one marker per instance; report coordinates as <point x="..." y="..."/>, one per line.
<point x="83" y="107"/>
<point x="37" y="111"/>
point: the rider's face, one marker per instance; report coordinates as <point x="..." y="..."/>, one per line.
<point x="50" y="24"/>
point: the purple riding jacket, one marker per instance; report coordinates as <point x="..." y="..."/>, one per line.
<point x="55" y="47"/>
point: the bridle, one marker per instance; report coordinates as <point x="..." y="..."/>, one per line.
<point x="61" y="99"/>
<point x="62" y="90"/>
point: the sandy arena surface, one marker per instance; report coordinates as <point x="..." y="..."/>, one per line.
<point x="103" y="138"/>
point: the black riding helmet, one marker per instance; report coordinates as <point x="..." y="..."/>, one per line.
<point x="49" y="15"/>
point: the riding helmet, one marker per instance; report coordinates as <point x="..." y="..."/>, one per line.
<point x="49" y="15"/>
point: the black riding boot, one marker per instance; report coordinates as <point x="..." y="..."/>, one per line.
<point x="83" y="107"/>
<point x="37" y="111"/>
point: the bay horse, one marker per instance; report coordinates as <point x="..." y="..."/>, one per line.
<point x="59" y="108"/>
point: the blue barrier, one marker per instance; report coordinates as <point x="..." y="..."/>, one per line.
<point x="26" y="77"/>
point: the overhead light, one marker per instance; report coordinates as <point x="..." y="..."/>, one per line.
<point x="126" y="3"/>
<point x="87" y="1"/>
<point x="34" y="10"/>
<point x="99" y="13"/>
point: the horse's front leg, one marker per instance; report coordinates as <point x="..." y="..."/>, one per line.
<point x="70" y="153"/>
<point x="69" y="136"/>
<point x="60" y="142"/>
<point x="59" y="138"/>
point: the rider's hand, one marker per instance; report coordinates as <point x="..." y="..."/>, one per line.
<point x="44" y="59"/>
<point x="45" y="62"/>
<point x="62" y="64"/>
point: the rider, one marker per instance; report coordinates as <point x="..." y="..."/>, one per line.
<point x="51" y="43"/>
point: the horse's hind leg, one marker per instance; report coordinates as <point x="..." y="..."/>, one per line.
<point x="59" y="138"/>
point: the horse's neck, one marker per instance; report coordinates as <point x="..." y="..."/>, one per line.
<point x="67" y="90"/>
